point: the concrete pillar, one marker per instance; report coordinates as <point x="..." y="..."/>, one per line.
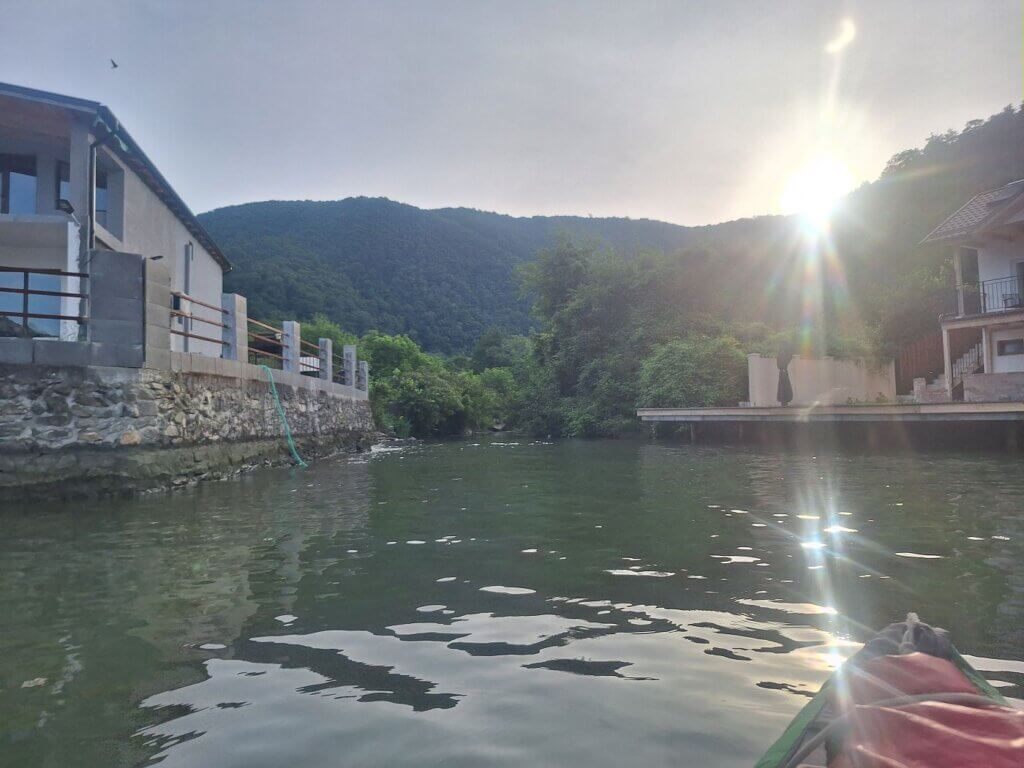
<point x="326" y="359"/>
<point x="236" y="327"/>
<point x="348" y="364"/>
<point x="958" y="270"/>
<point x="948" y="363"/>
<point x="364" y="376"/>
<point x="157" y="275"/>
<point x="291" y="346"/>
<point x="986" y="358"/>
<point x="79" y="180"/>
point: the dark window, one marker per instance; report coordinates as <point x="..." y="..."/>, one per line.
<point x="1010" y="347"/>
<point x="17" y="184"/>
<point x="64" y="190"/>
<point x="63" y="184"/>
<point x="101" y="198"/>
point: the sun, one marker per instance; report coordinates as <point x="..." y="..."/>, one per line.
<point x="816" y="189"/>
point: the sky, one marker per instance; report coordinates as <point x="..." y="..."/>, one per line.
<point x="688" y="112"/>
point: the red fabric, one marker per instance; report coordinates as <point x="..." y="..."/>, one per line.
<point x="934" y="735"/>
<point x="887" y="677"/>
<point x="927" y="734"/>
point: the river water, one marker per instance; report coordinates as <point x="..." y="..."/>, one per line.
<point x="493" y="603"/>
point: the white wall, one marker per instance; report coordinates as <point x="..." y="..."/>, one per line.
<point x="152" y="229"/>
<point x="1005" y="363"/>
<point x="820" y="381"/>
<point x="999" y="260"/>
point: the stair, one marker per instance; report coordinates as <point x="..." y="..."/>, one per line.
<point x="969" y="362"/>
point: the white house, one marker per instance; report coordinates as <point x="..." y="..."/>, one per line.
<point x="72" y="180"/>
<point x="983" y="337"/>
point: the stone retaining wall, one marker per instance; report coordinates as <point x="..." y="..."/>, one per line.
<point x="73" y="430"/>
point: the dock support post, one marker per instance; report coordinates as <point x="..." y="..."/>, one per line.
<point x="291" y="346"/>
<point x="326" y="359"/>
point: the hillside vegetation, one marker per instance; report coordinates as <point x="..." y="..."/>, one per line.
<point x="590" y="318"/>
<point x="442" y="277"/>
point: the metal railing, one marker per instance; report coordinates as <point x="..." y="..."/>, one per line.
<point x="265" y="347"/>
<point x="999" y="295"/>
<point x="187" y="318"/>
<point x="309" y="358"/>
<point x="969" y="362"/>
<point x="18" y="282"/>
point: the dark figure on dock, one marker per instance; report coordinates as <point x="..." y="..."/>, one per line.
<point x="785" y="393"/>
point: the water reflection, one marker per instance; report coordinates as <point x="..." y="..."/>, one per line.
<point x="491" y="603"/>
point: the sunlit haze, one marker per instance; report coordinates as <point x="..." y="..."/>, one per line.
<point x="689" y="112"/>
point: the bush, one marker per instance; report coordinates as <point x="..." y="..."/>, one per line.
<point x="693" y="372"/>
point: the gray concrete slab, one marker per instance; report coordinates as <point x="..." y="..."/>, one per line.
<point x="116" y="355"/>
<point x="15" y="351"/>
<point x="116" y="331"/>
<point x="53" y="352"/>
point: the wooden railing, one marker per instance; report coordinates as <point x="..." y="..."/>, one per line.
<point x="21" y="284"/>
<point x="179" y="300"/>
<point x="308" y="349"/>
<point x="269" y="344"/>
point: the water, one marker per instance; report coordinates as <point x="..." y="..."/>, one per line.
<point x="493" y="603"/>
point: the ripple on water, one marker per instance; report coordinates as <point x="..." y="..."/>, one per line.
<point x="918" y="555"/>
<point x="500" y="590"/>
<point x="630" y="572"/>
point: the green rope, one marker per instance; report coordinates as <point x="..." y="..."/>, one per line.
<point x="284" y="419"/>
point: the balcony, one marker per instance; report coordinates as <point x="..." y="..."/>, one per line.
<point x="1004" y="294"/>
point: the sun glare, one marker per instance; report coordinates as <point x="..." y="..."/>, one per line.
<point x="815" y="190"/>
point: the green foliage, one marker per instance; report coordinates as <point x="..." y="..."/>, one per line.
<point x="422" y="395"/>
<point x="498" y="349"/>
<point x="693" y="372"/>
<point x="623" y="312"/>
<point x="320" y="327"/>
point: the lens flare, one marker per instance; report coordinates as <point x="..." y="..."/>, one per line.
<point x="815" y="190"/>
<point x="847" y="31"/>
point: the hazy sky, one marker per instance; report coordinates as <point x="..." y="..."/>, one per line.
<point x="691" y="112"/>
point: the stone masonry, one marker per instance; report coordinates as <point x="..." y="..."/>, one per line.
<point x="79" y="430"/>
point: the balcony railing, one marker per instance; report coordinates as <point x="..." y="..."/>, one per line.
<point x="42" y="303"/>
<point x="1003" y="294"/>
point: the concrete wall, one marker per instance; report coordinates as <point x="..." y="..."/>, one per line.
<point x="999" y="260"/>
<point x="70" y="430"/>
<point x="823" y="381"/>
<point x="1005" y="363"/>
<point x="994" y="387"/>
<point x="151" y="229"/>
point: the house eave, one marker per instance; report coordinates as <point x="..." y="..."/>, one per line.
<point x="131" y="154"/>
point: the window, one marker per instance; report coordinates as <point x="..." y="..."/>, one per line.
<point x="1010" y="347"/>
<point x="17" y="184"/>
<point x="101" y="200"/>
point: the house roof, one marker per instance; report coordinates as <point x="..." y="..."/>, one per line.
<point x="982" y="212"/>
<point x="131" y="153"/>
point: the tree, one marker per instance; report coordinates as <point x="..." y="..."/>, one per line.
<point x="693" y="372"/>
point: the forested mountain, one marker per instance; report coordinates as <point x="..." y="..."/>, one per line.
<point x="444" y="276"/>
<point x="441" y="276"/>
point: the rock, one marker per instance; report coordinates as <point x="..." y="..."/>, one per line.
<point x="131" y="437"/>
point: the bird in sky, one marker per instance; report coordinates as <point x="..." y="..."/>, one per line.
<point x="113" y="64"/>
